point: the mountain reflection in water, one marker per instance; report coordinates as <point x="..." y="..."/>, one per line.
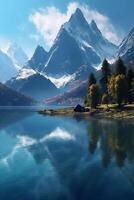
<point x="53" y="158"/>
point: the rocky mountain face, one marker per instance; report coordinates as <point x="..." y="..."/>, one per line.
<point x="77" y="43"/>
<point x="38" y="59"/>
<point x="32" y="84"/>
<point x="126" y="48"/>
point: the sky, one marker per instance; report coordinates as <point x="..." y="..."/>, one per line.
<point x="32" y="22"/>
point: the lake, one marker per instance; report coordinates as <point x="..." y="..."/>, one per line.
<point x="65" y="158"/>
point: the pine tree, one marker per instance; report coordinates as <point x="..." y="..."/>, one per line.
<point x="91" y="80"/>
<point x="105" y="73"/>
<point x="120" y="67"/>
<point x="105" y="68"/>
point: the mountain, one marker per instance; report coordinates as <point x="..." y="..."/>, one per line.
<point x="77" y="44"/>
<point x="32" y="84"/>
<point x="17" y="54"/>
<point x="126" y="48"/>
<point x="7" y="68"/>
<point x="9" y="97"/>
<point x="89" y="35"/>
<point x="65" y="57"/>
<point x="72" y="97"/>
<point x="38" y="59"/>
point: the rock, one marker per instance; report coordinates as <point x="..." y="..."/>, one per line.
<point x="79" y="108"/>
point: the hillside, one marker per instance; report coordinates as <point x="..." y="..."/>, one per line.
<point x="9" y="97"/>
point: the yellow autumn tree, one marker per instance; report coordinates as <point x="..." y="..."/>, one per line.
<point x="118" y="88"/>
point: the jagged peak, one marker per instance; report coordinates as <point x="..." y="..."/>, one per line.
<point x="94" y="27"/>
<point x="40" y="49"/>
<point x="77" y="16"/>
<point x="93" y="24"/>
<point x="78" y="12"/>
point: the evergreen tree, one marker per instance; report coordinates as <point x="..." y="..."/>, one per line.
<point x="120" y="67"/>
<point x="105" y="68"/>
<point x="94" y="95"/>
<point x="91" y="80"/>
<point x="105" y="73"/>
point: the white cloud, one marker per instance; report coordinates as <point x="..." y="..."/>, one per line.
<point x="49" y="20"/>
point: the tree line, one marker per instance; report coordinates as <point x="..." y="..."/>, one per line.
<point x="114" y="86"/>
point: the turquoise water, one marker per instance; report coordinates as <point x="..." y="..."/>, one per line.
<point x="64" y="158"/>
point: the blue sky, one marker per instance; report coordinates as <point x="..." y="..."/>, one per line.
<point x="26" y="22"/>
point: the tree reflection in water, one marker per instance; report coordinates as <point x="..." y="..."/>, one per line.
<point x="114" y="138"/>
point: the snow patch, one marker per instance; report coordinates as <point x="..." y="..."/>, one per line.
<point x="62" y="81"/>
<point x="25" y="73"/>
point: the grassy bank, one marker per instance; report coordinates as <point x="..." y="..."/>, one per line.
<point x="110" y="111"/>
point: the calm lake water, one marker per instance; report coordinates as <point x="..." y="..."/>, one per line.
<point x="64" y="158"/>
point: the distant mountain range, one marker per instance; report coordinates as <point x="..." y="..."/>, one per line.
<point x="7" y="67"/>
<point x="17" y="54"/>
<point x="78" y="49"/>
<point x="11" y="62"/>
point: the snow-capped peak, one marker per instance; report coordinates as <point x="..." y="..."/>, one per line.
<point x="78" y="43"/>
<point x="17" y="54"/>
<point x="81" y="31"/>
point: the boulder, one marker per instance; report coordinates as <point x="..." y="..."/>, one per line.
<point x="79" y="108"/>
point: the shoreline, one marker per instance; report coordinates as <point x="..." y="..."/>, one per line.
<point x="127" y="113"/>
